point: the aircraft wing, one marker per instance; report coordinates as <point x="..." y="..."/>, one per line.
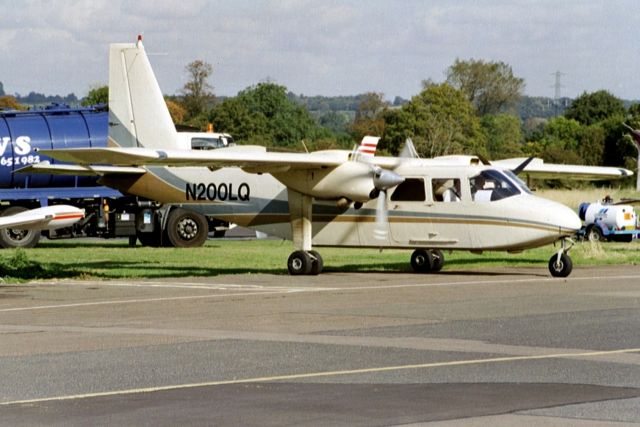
<point x="93" y="170"/>
<point x="250" y="158"/>
<point x="540" y="170"/>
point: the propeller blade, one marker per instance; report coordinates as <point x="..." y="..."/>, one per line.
<point x="382" y="219"/>
<point x="521" y="166"/>
<point x="409" y="150"/>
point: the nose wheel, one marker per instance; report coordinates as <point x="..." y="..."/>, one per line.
<point x="560" y="264"/>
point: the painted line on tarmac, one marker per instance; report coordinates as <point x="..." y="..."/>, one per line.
<point x="325" y="374"/>
<point x="144" y="300"/>
<point x="197" y="285"/>
<point x="293" y="290"/>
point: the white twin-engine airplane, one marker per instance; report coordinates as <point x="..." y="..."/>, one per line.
<point x="324" y="198"/>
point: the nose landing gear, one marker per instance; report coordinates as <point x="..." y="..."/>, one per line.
<point x="560" y="264"/>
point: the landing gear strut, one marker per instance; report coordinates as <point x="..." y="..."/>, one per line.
<point x="303" y="261"/>
<point x="560" y="264"/>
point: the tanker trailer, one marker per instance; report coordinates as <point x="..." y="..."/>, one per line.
<point x="108" y="213"/>
<point x="608" y="221"/>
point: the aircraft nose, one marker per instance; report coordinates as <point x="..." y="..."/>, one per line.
<point x="567" y="219"/>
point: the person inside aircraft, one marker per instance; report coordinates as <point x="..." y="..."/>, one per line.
<point x="452" y="194"/>
<point x="496" y="185"/>
<point x="479" y="192"/>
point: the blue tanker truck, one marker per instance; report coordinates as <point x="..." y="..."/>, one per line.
<point x="108" y="213"/>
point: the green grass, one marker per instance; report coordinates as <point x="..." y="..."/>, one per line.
<point x="114" y="259"/>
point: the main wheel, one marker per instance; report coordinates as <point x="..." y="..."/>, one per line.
<point x="317" y="264"/>
<point x="17" y="238"/>
<point x="186" y="229"/>
<point x="560" y="267"/>
<point x="299" y="263"/>
<point x="438" y="260"/>
<point x="421" y="261"/>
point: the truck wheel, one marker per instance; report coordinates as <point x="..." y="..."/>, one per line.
<point x="594" y="234"/>
<point x="16" y="238"/>
<point x="151" y="239"/>
<point x="186" y="229"/>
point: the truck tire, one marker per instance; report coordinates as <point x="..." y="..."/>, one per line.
<point x="186" y="229"/>
<point x="14" y="237"/>
<point x="151" y="239"/>
<point x="594" y="234"/>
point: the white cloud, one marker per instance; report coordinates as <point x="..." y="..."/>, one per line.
<point x="324" y="47"/>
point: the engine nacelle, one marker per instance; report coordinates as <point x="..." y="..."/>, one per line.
<point x="351" y="180"/>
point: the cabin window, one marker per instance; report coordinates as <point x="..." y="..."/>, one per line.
<point x="491" y="185"/>
<point x="200" y="143"/>
<point x="411" y="190"/>
<point x="446" y="189"/>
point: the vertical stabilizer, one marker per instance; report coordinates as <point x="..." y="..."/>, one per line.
<point x="138" y="114"/>
<point x="367" y="148"/>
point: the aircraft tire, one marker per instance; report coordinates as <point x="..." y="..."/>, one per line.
<point x="317" y="264"/>
<point x="300" y="263"/>
<point x="186" y="229"/>
<point x="562" y="267"/>
<point x="14" y="237"/>
<point x="422" y="261"/>
<point x="438" y="260"/>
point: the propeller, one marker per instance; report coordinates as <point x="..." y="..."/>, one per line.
<point x="522" y="165"/>
<point x="383" y="179"/>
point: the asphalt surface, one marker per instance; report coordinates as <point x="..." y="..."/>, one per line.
<point x="491" y="347"/>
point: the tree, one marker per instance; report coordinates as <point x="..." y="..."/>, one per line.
<point x="558" y="142"/>
<point x="369" y="118"/>
<point x="176" y="111"/>
<point x="489" y="86"/>
<point x="504" y="135"/>
<point x="1" y="89"/>
<point x="591" y="140"/>
<point x="590" y="108"/>
<point x="440" y="120"/>
<point x="97" y="95"/>
<point x="264" y="114"/>
<point x="9" y="102"/>
<point x="197" y="92"/>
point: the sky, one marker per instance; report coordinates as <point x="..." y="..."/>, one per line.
<point x="328" y="47"/>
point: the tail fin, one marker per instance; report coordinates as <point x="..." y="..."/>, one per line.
<point x="138" y="114"/>
<point x="367" y="147"/>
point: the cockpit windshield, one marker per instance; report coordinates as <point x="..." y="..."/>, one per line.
<point x="491" y="185"/>
<point x="523" y="185"/>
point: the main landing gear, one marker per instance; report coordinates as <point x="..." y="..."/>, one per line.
<point x="305" y="263"/>
<point x="427" y="260"/>
<point x="560" y="264"/>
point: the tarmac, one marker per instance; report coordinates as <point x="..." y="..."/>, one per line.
<point x="510" y="347"/>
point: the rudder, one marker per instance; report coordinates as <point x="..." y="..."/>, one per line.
<point x="138" y="114"/>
